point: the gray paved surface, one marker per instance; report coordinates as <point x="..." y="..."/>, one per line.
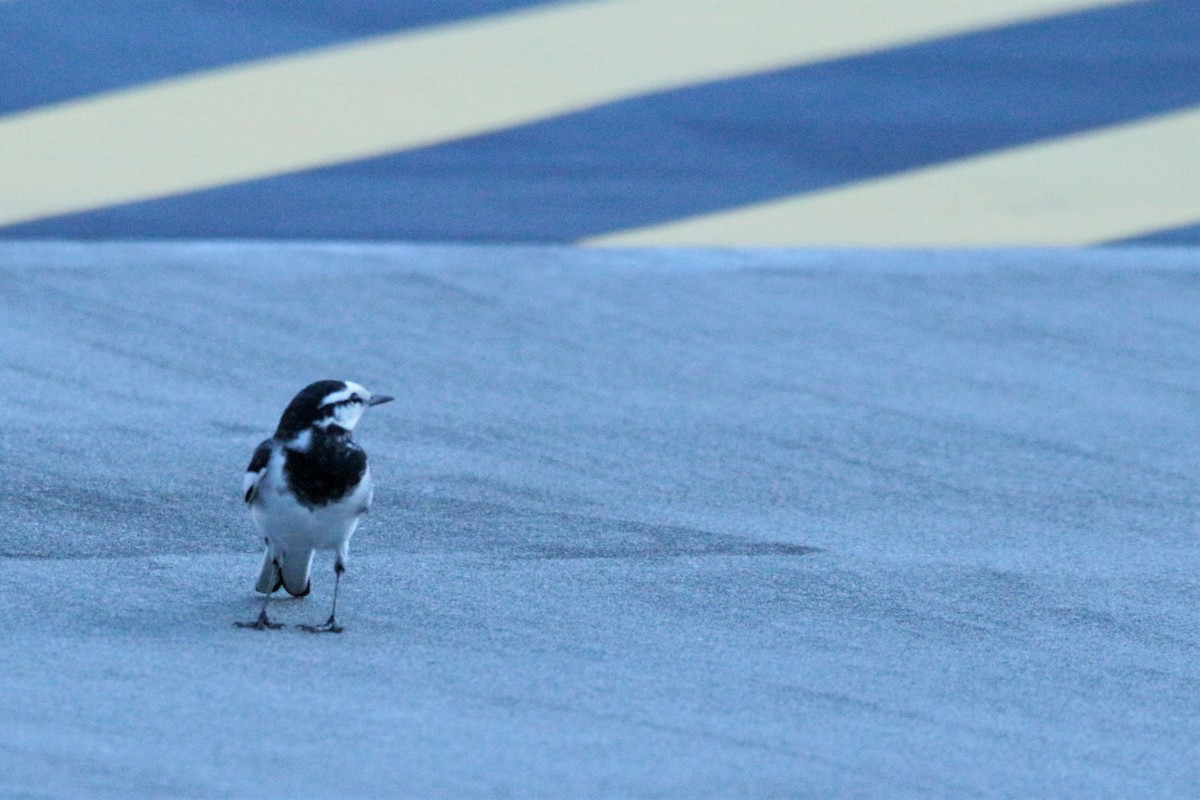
<point x="920" y="93"/>
<point x="679" y="524"/>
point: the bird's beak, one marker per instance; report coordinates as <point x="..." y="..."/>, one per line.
<point x="379" y="399"/>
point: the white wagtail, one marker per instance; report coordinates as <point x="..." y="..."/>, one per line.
<point x="307" y="487"/>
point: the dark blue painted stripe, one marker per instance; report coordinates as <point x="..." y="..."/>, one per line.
<point x="1187" y="236"/>
<point x="60" y="49"/>
<point x="717" y="146"/>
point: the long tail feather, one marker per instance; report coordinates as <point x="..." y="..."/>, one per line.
<point x="295" y="566"/>
<point x="269" y="579"/>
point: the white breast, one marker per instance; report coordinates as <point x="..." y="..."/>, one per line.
<point x="288" y="524"/>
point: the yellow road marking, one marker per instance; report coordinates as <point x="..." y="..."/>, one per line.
<point x="1113" y="183"/>
<point x="417" y="88"/>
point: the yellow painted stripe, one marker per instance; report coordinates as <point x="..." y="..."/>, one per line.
<point x="1109" y="184"/>
<point x="417" y="88"/>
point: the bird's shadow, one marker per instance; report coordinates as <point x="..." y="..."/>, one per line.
<point x="737" y="548"/>
<point x="531" y="533"/>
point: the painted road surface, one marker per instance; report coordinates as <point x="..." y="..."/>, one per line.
<point x="610" y="122"/>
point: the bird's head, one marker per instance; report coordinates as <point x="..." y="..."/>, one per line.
<point x="325" y="405"/>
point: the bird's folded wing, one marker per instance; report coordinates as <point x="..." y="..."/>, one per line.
<point x="255" y="471"/>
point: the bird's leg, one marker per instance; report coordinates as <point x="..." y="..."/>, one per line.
<point x="263" y="622"/>
<point x="331" y="624"/>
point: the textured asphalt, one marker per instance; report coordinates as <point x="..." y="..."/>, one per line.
<point x="648" y="523"/>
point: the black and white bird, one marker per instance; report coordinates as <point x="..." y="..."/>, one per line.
<point x="307" y="488"/>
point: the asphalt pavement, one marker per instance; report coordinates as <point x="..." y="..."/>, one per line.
<point x="658" y="523"/>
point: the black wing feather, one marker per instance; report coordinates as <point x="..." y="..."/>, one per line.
<point x="258" y="462"/>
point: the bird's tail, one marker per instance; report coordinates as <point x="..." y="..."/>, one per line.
<point x="294" y="569"/>
<point x="269" y="578"/>
<point x="287" y="568"/>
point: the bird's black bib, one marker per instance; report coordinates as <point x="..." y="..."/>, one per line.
<point x="325" y="473"/>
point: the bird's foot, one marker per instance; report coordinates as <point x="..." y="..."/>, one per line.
<point x="330" y="626"/>
<point x="263" y="623"/>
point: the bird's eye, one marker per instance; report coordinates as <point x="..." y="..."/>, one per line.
<point x="355" y="398"/>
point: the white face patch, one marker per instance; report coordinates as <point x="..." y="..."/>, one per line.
<point x="346" y="411"/>
<point x="345" y="415"/>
